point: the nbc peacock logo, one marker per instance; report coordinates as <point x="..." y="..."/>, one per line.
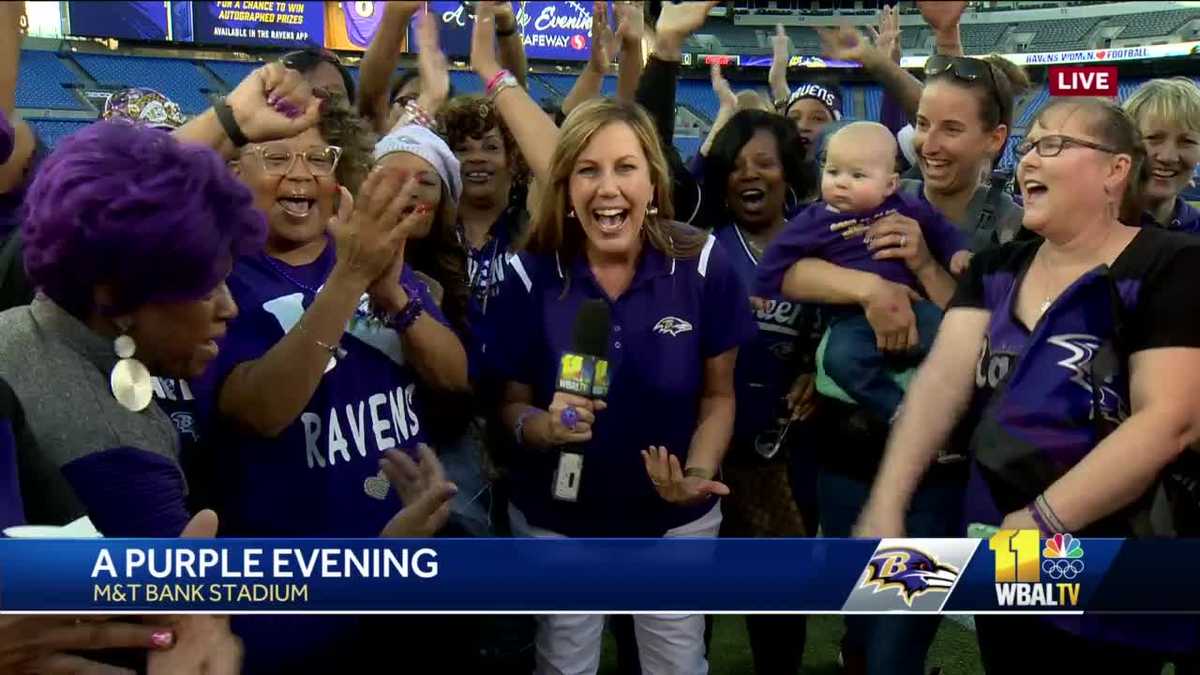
<point x="1022" y="562"/>
<point x="1062" y="558"/>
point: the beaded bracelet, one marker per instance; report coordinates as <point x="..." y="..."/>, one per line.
<point x="418" y="115"/>
<point x="491" y="84"/>
<point x="406" y="317"/>
<point x="519" y="425"/>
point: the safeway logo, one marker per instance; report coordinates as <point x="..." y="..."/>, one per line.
<point x="1083" y="81"/>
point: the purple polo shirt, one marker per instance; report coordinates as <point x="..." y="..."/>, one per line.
<point x="787" y="337"/>
<point x="808" y="235"/>
<point x="1184" y="218"/>
<point x="320" y="476"/>
<point x="677" y="313"/>
<point x="1155" y="278"/>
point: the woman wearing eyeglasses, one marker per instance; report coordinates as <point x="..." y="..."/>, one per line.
<point x="1084" y="388"/>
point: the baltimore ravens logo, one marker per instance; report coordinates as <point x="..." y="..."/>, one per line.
<point x="910" y="572"/>
<point x="672" y="325"/>
<point x="1088" y="356"/>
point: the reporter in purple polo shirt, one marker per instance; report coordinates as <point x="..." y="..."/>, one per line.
<point x="652" y="450"/>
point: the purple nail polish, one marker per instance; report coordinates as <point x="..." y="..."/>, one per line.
<point x="162" y="639"/>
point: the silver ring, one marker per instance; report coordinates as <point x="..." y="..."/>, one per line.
<point x="903" y="240"/>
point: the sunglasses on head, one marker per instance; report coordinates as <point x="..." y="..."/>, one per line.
<point x="307" y="58"/>
<point x="966" y="69"/>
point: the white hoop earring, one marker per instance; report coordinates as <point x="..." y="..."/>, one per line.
<point x="652" y="210"/>
<point x="130" y="379"/>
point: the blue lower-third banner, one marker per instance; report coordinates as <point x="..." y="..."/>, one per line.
<point x="1010" y="571"/>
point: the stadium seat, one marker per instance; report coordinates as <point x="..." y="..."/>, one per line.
<point x="178" y="79"/>
<point x="1153" y="24"/>
<point x="51" y="132"/>
<point x="688" y="146"/>
<point x="231" y="72"/>
<point x="41" y="80"/>
<point x="1032" y="107"/>
<point x="1053" y="35"/>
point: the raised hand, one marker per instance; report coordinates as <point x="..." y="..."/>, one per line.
<point x="942" y="15"/>
<point x="386" y="291"/>
<point x="671" y="483"/>
<point x="631" y="22"/>
<point x="366" y="231"/>
<point x="846" y="43"/>
<point x="721" y="88"/>
<point x="780" y="45"/>
<point x="431" y="65"/>
<point x="683" y="18"/>
<point x="422" y="488"/>
<point x="676" y="22"/>
<point x="887" y="36"/>
<point x="604" y="42"/>
<point x="483" y="44"/>
<point x="272" y="103"/>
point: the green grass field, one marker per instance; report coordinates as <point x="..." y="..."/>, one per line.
<point x="954" y="650"/>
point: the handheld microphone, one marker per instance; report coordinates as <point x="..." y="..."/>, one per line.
<point x="583" y="371"/>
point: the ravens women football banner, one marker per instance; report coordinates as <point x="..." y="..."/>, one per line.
<point x="1009" y="571"/>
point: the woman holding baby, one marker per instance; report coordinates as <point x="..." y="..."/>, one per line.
<point x="962" y="115"/>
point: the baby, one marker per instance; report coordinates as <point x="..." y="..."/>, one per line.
<point x="858" y="186"/>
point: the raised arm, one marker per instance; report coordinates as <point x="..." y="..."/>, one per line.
<point x="777" y="75"/>
<point x="937" y="398"/>
<point x="846" y="43"/>
<point x="273" y="102"/>
<point x="630" y="30"/>
<point x="508" y="34"/>
<point x="532" y="128"/>
<point x="380" y="61"/>
<point x="267" y="394"/>
<point x="944" y="18"/>
<point x="589" y="83"/>
<point x="728" y="107"/>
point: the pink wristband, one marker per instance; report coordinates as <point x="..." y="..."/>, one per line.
<point x="491" y="84"/>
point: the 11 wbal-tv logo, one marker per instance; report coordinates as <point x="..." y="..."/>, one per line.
<point x="1028" y="575"/>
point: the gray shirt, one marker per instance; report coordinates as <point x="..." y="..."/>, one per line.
<point x="992" y="215"/>
<point x="59" y="370"/>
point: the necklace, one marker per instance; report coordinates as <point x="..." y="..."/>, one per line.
<point x="360" y="313"/>
<point x="753" y="247"/>
<point x="1049" y="298"/>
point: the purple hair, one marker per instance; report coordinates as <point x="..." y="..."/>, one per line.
<point x="131" y="207"/>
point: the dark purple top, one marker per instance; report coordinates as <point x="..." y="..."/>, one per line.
<point x="1155" y="278"/>
<point x="320" y="477"/>
<point x="677" y="313"/>
<point x="1184" y="218"/>
<point x="809" y="235"/>
<point x="788" y="334"/>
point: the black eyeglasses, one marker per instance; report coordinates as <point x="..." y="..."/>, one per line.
<point x="1051" y="146"/>
<point x="966" y="69"/>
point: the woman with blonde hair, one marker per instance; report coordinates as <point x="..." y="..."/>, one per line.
<point x="602" y="234"/>
<point x="1167" y="113"/>
<point x="603" y="242"/>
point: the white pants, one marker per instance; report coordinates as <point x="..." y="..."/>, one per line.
<point x="668" y="644"/>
